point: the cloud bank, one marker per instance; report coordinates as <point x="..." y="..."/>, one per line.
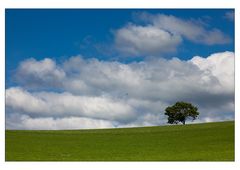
<point x="89" y="93"/>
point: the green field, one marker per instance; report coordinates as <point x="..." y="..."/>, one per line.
<point x="195" y="142"/>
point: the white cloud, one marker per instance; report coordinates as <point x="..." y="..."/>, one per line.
<point x="220" y="65"/>
<point x="21" y="121"/>
<point x="133" y="94"/>
<point x="163" y="34"/>
<point x="155" y="79"/>
<point x="19" y="99"/>
<point x="45" y="73"/>
<point x="145" y="40"/>
<point x="45" y="104"/>
<point x="190" y="29"/>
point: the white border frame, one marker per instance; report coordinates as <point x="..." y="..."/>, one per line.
<point x="117" y="4"/>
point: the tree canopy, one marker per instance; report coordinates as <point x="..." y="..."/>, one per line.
<point x="180" y="112"/>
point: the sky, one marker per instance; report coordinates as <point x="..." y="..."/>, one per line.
<point x="89" y="68"/>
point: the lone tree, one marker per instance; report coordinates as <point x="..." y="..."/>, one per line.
<point x="181" y="111"/>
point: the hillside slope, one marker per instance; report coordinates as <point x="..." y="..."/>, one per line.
<point x="195" y="142"/>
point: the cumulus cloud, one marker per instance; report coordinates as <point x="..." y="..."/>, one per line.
<point x="114" y="94"/>
<point x="220" y="65"/>
<point x="163" y="34"/>
<point x="21" y="121"/>
<point x="145" y="40"/>
<point x="42" y="73"/>
<point x="190" y="29"/>
<point x="45" y="104"/>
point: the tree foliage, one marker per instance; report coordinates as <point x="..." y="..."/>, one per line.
<point x="180" y="112"/>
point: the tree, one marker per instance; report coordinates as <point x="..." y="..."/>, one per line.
<point x="181" y="111"/>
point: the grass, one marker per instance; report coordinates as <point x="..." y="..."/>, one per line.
<point x="195" y="142"/>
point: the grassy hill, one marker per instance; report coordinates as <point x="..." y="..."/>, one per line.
<point x="195" y="142"/>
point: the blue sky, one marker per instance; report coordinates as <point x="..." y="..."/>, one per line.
<point x="46" y="47"/>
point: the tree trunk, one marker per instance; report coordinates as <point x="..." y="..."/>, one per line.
<point x="183" y="122"/>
